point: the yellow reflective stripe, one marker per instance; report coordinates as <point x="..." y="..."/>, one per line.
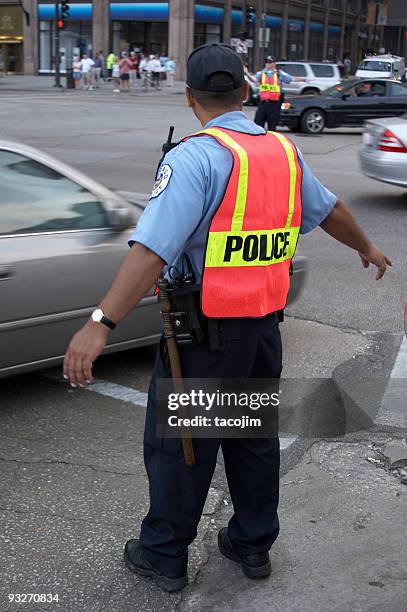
<point x="241" y="195"/>
<point x="250" y="247"/>
<point x="288" y="148"/>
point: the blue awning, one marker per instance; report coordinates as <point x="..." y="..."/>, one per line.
<point x="159" y="11"/>
<point x="77" y="12"/>
<point x="144" y="11"/>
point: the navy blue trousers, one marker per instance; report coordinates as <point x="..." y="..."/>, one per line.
<point x="252" y="349"/>
<point x="268" y="112"/>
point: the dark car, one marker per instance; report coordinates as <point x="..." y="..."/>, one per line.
<point x="347" y="104"/>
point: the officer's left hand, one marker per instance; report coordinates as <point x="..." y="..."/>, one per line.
<point x="85" y="346"/>
<point x="376" y="257"/>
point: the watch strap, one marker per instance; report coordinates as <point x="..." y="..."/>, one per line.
<point x="107" y="322"/>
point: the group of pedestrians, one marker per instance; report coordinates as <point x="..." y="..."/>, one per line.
<point x="123" y="71"/>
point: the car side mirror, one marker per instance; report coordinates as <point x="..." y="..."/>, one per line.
<point x="120" y="218"/>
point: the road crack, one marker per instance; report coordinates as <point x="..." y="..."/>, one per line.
<point x="63" y="517"/>
<point x="60" y="462"/>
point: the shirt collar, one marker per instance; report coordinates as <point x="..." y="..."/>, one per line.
<point x="226" y="119"/>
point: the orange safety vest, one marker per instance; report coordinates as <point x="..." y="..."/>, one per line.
<point x="269" y="87"/>
<point x="253" y="234"/>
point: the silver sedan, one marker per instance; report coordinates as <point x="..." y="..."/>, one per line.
<point x="383" y="155"/>
<point x="62" y="238"/>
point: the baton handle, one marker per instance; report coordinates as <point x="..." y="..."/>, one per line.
<point x="175" y="365"/>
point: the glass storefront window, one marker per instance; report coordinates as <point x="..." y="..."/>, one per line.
<point x="76" y="39"/>
<point x="274" y="43"/>
<point x="333" y="48"/>
<point x="207" y="33"/>
<point x="315" y="46"/>
<point x="147" y="37"/>
<point x="295" y="46"/>
<point x="45" y="46"/>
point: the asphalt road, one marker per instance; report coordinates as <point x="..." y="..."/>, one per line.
<point x="72" y="483"/>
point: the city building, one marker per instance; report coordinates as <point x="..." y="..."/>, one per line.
<point x="290" y="29"/>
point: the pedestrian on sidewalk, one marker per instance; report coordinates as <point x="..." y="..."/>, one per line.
<point x="110" y="60"/>
<point x="239" y="281"/>
<point x="87" y="64"/>
<point x="104" y="73"/>
<point x="116" y="75"/>
<point x="143" y="69"/>
<point x="170" y="67"/>
<point x="77" y="71"/>
<point x="133" y="59"/>
<point x="97" y="70"/>
<point x="125" y="67"/>
<point x="154" y="66"/>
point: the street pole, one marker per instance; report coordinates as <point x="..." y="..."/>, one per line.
<point x="376" y="18"/>
<point x="57" y="51"/>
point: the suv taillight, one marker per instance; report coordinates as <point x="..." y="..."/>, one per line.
<point x="389" y="142"/>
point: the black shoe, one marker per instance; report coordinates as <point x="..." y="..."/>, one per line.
<point x="134" y="560"/>
<point x="254" y="566"/>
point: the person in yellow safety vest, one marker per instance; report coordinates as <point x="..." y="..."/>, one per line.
<point x="227" y="207"/>
<point x="270" y="81"/>
<point x="110" y="60"/>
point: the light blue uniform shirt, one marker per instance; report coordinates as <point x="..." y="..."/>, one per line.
<point x="283" y="77"/>
<point x="194" y="176"/>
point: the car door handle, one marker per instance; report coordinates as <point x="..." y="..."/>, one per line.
<point x="6" y="272"/>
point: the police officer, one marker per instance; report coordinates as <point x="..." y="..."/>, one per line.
<point x="270" y="81"/>
<point x="233" y="198"/>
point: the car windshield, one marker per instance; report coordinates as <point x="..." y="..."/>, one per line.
<point x="375" y="65"/>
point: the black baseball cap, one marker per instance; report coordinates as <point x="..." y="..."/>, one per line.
<point x="215" y="58"/>
<point x="270" y="58"/>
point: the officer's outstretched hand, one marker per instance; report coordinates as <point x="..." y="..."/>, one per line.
<point x="85" y="346"/>
<point x="374" y="256"/>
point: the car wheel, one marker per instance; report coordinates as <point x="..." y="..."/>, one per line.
<point x="310" y="91"/>
<point x="313" y="121"/>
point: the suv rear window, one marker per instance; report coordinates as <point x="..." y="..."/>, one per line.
<point x="321" y="70"/>
<point x="293" y="69"/>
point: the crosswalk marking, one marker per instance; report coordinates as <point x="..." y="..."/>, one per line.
<point x="126" y="394"/>
<point x="134" y="396"/>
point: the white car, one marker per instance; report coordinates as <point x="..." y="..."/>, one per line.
<point x="381" y="67"/>
<point x="383" y="155"/>
<point x="319" y="76"/>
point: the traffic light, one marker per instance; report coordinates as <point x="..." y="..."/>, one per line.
<point x="64" y="16"/>
<point x="250" y="16"/>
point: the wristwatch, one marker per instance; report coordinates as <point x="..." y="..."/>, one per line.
<point x="98" y="316"/>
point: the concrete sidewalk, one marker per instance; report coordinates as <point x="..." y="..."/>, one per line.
<point x="342" y="545"/>
<point x="45" y="83"/>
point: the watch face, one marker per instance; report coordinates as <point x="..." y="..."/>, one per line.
<point x="97" y="315"/>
